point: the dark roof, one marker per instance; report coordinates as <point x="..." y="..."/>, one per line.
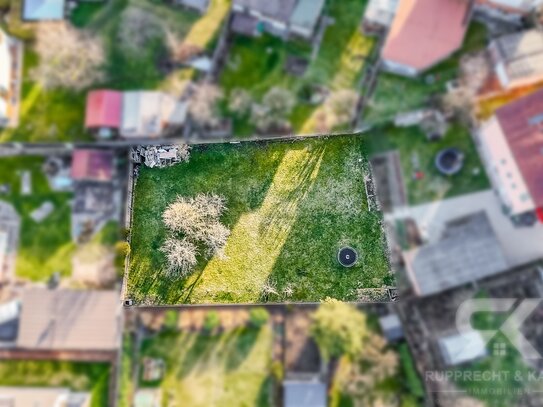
<point x="522" y="125"/>
<point x="244" y="24"/>
<point x="280" y="10"/>
<point x="467" y="251"/>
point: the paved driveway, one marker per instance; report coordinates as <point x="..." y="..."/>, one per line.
<point x="520" y="245"/>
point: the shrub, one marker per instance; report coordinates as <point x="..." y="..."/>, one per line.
<point x="277" y="370"/>
<point x="170" y="320"/>
<point x="258" y="317"/>
<point x="212" y="321"/>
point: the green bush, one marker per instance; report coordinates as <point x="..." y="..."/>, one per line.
<point x="413" y="381"/>
<point x="277" y="370"/>
<point x="258" y="317"/>
<point x="170" y="320"/>
<point x="212" y="321"/>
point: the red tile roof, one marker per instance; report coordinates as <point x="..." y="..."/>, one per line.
<point x="522" y="125"/>
<point x="424" y="32"/>
<point x="103" y="109"/>
<point x="92" y="165"/>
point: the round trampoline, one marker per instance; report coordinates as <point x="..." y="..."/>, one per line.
<point x="347" y="256"/>
<point x="449" y="161"/>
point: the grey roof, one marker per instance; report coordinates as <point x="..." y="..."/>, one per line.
<point x="522" y="53"/>
<point x="307" y="13"/>
<point x="200" y="5"/>
<point x="462" y="348"/>
<point x="392" y="327"/>
<point x="381" y="12"/>
<point x="280" y="10"/>
<point x="40" y="10"/>
<point x="64" y="319"/>
<point x="468" y="251"/>
<point x="304" y="394"/>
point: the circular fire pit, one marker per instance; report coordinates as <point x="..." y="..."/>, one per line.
<point x="347" y="256"/>
<point x="449" y="161"/>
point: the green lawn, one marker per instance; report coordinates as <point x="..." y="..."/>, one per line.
<point x="227" y="370"/>
<point x="290" y="207"/>
<point x="433" y="186"/>
<point x="257" y="64"/>
<point x="78" y="376"/>
<point x="46" y="247"/>
<point x="395" y="94"/>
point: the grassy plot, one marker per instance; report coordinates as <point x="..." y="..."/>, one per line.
<point x="229" y="369"/>
<point x="258" y="64"/>
<point x="290" y="207"/>
<point x="414" y="147"/>
<point x="45" y="247"/>
<point x="395" y="94"/>
<point x="78" y="376"/>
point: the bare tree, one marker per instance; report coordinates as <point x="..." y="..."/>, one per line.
<point x="193" y="221"/>
<point x="240" y="102"/>
<point x="69" y="58"/>
<point x="137" y="28"/>
<point x="203" y="105"/>
<point x="180" y="254"/>
<point x="274" y="110"/>
<point x="342" y="105"/>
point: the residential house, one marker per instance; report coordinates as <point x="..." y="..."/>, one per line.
<point x="103" y="112"/>
<point x="511" y="144"/>
<point x="467" y="251"/>
<point x="43" y="396"/>
<point x="424" y="33"/>
<point x="518" y="58"/>
<point x="70" y="320"/>
<point x="379" y="16"/>
<point x="11" y="55"/>
<point x="281" y="18"/>
<point x="146" y="114"/>
<point x="43" y="10"/>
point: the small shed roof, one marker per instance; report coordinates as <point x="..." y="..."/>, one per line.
<point x="462" y="348"/>
<point x="304" y="394"/>
<point x="146" y="113"/>
<point x="307" y="13"/>
<point x="468" y="250"/>
<point x="92" y="165"/>
<point x="200" y="5"/>
<point x="391" y="327"/>
<point x="39" y="10"/>
<point x="279" y="10"/>
<point x="381" y="12"/>
<point x="424" y="32"/>
<point x="103" y="109"/>
<point x="64" y="319"/>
